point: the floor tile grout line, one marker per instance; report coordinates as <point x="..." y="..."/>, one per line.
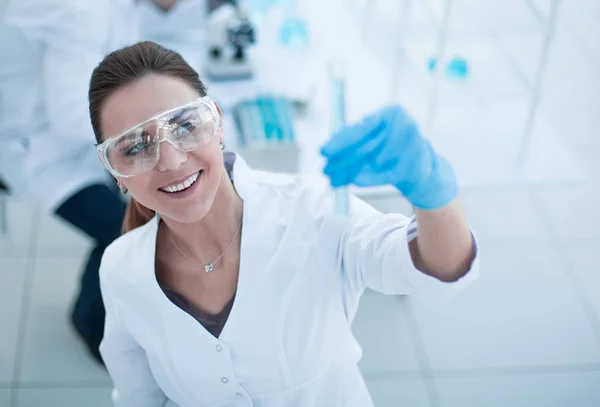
<point x="393" y="375"/>
<point x="585" y="240"/>
<point x="369" y="376"/>
<point x="421" y="353"/>
<point x="25" y="305"/>
<point x="73" y="254"/>
<point x="46" y="253"/>
<point x="64" y="385"/>
<point x="499" y="371"/>
<point x="571" y="274"/>
<point x="515" y="370"/>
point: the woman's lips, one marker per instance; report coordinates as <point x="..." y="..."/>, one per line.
<point x="183" y="189"/>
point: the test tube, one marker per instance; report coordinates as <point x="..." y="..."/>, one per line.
<point x="338" y="120"/>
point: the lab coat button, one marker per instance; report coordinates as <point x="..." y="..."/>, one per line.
<point x="224" y="379"/>
<point x="239" y="394"/>
<point x="219" y="348"/>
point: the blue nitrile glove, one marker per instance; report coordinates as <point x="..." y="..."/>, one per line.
<point x="387" y="148"/>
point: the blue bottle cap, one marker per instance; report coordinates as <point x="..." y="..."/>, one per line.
<point x="457" y="68"/>
<point x="293" y="33"/>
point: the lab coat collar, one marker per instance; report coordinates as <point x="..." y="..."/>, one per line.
<point x="240" y="172"/>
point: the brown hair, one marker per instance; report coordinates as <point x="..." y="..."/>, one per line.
<point x="122" y="67"/>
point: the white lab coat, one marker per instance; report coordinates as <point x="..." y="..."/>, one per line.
<point x="288" y="339"/>
<point x="48" y="50"/>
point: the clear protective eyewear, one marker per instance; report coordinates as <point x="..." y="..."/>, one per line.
<point x="137" y="150"/>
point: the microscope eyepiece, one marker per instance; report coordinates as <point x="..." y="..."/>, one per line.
<point x="241" y="33"/>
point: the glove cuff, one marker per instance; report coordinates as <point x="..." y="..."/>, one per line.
<point x="435" y="191"/>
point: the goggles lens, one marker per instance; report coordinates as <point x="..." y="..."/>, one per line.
<point x="137" y="150"/>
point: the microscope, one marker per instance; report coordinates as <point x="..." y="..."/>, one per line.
<point x="229" y="34"/>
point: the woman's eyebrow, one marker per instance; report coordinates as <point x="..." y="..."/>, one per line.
<point x="134" y="133"/>
<point x="178" y="115"/>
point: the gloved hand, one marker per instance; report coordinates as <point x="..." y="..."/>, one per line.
<point x="387" y="148"/>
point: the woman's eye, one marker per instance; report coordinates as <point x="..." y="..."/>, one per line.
<point x="185" y="128"/>
<point x="136" y="149"/>
<point x="134" y="143"/>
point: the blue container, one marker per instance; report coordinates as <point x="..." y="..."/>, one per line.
<point x="457" y="68"/>
<point x="294" y="33"/>
<point x="264" y="120"/>
<point x="262" y="7"/>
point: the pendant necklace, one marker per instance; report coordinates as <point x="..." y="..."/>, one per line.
<point x="210" y="266"/>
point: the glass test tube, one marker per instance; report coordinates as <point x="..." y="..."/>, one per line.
<point x="338" y="120"/>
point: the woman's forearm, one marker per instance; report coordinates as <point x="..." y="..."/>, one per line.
<point x="444" y="248"/>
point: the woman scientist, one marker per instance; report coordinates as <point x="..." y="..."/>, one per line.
<point x="238" y="287"/>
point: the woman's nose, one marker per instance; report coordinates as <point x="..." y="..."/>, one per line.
<point x="170" y="158"/>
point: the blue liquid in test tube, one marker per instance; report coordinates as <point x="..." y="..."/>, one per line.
<point x="338" y="120"/>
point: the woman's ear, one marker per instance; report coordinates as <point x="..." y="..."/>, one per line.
<point x="221" y="138"/>
<point x="121" y="185"/>
<point x="221" y="120"/>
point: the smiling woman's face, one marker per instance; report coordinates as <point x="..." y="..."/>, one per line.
<point x="183" y="185"/>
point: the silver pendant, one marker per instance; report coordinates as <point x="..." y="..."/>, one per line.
<point x="208" y="268"/>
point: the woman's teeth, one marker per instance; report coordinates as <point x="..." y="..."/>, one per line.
<point x="184" y="185"/>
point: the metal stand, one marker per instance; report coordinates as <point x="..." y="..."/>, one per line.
<point x="535" y="89"/>
<point x="438" y="72"/>
<point x="399" y="41"/>
<point x="537" y="84"/>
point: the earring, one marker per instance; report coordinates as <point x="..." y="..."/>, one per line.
<point x="222" y="146"/>
<point x="122" y="187"/>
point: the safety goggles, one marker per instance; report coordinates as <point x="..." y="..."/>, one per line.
<point x="137" y="150"/>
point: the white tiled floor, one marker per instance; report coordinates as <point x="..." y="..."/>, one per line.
<point x="5" y="397"/>
<point x="515" y="216"/>
<point x="521" y="390"/>
<point x="399" y="392"/>
<point x="12" y="277"/>
<point x="572" y="209"/>
<point x="526" y="334"/>
<point x="70" y="238"/>
<point x="521" y="312"/>
<point x="60" y="397"/>
<point x="374" y="317"/>
<point x="21" y="218"/>
<point x="48" y="327"/>
<point x="586" y="263"/>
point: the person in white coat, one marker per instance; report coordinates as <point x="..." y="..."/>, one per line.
<point x="49" y="49"/>
<point x="235" y="287"/>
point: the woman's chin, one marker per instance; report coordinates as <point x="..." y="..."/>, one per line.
<point x="186" y="214"/>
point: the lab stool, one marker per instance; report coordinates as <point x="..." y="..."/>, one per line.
<point x="3" y="218"/>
